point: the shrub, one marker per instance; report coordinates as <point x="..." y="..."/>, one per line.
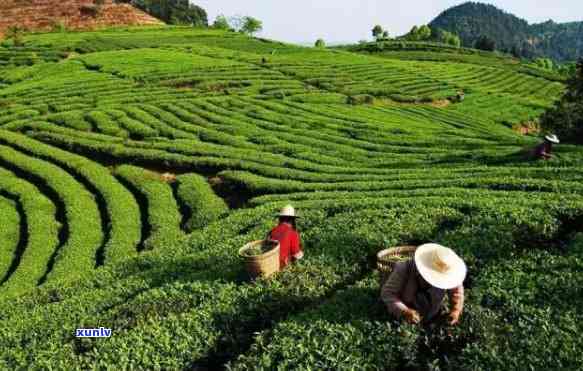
<point x="203" y="205"/>
<point x="360" y="99"/>
<point x="565" y="118"/>
<point x="163" y="218"/>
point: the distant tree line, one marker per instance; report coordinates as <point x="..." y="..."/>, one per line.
<point x="419" y="33"/>
<point x="426" y="33"/>
<point x="180" y="12"/>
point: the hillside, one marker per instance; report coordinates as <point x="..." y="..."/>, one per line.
<point x="562" y="42"/>
<point x="135" y="163"/>
<point x="45" y="15"/>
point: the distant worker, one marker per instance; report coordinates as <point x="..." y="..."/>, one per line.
<point x="416" y="288"/>
<point x="287" y="235"/>
<point x="544" y="151"/>
<point x="460" y="96"/>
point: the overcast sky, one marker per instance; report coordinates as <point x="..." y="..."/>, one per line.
<point x="302" y="21"/>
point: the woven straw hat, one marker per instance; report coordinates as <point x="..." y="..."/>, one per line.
<point x="288" y="211"/>
<point x="440" y="266"/>
<point x="552" y="138"/>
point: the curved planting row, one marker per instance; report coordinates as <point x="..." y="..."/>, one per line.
<point x="155" y="195"/>
<point x="258" y="185"/>
<point x="76" y="255"/>
<point x="368" y="149"/>
<point x="201" y="316"/>
<point x="9" y="234"/>
<point x="40" y="239"/>
<point x="120" y="213"/>
<point x="325" y="150"/>
<point x="418" y="194"/>
<point x="202" y="204"/>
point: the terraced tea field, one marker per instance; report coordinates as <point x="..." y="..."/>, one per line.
<point x="134" y="163"/>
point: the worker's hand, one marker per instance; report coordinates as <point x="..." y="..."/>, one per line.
<point x="412" y="316"/>
<point x="453" y="318"/>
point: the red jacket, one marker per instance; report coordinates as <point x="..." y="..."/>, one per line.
<point x="289" y="243"/>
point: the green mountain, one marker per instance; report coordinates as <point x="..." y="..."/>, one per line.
<point x="560" y="41"/>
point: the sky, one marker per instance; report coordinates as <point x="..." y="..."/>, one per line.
<point x="336" y="21"/>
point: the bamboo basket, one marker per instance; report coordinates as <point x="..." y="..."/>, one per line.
<point x="387" y="258"/>
<point x="263" y="265"/>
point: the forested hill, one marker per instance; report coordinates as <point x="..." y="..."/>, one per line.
<point x="560" y="41"/>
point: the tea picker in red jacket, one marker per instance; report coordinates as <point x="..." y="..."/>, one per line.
<point x="290" y="246"/>
<point x="416" y="288"/>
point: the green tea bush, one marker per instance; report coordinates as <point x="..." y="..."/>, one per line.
<point x="203" y="205"/>
<point x="41" y="235"/>
<point x="336" y="335"/>
<point x="270" y="123"/>
<point x="76" y="256"/>
<point x="163" y="217"/>
<point x="9" y="234"/>
<point x="531" y="307"/>
<point x="119" y="209"/>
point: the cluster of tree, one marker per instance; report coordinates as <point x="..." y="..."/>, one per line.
<point x="448" y="38"/>
<point x="476" y="23"/>
<point x="419" y="33"/>
<point x="379" y="33"/>
<point x="426" y="33"/>
<point x="172" y="11"/>
<point x="565" y="118"/>
<point x="248" y="25"/>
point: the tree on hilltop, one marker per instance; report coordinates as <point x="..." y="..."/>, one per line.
<point x="320" y="43"/>
<point x="251" y="25"/>
<point x="565" y="118"/>
<point x="221" y="23"/>
<point x="422" y="33"/>
<point x="446" y="37"/>
<point x="377" y="32"/>
<point x="248" y="25"/>
<point x="236" y="22"/>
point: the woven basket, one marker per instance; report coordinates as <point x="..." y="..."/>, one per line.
<point x="263" y="265"/>
<point x="386" y="260"/>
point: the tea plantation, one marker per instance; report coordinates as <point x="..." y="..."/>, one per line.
<point x="135" y="162"/>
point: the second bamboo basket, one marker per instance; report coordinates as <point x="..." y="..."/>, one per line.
<point x="386" y="260"/>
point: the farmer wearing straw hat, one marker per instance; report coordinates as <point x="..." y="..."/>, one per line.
<point x="288" y="237"/>
<point x="544" y="150"/>
<point x="416" y="288"/>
